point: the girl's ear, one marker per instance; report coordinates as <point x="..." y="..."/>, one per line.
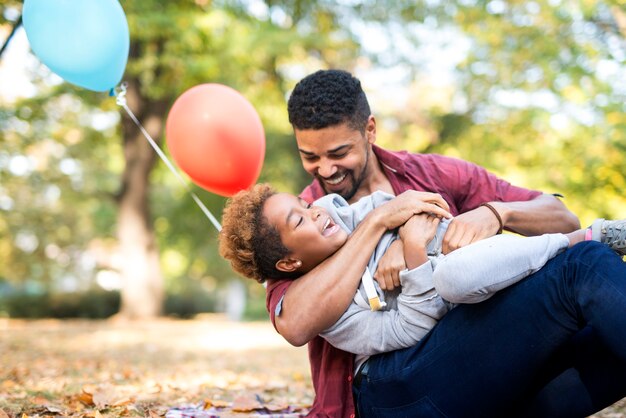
<point x="288" y="264"/>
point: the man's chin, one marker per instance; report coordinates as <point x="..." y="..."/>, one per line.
<point x="345" y="188"/>
<point x="345" y="191"/>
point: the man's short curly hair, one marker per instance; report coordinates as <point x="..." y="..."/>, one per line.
<point x="247" y="240"/>
<point x="328" y="98"/>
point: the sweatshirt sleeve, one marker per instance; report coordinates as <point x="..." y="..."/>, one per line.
<point x="477" y="271"/>
<point x="365" y="332"/>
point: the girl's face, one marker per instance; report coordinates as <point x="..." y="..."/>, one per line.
<point x="307" y="231"/>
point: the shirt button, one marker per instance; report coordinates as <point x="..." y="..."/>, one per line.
<point x="350" y="378"/>
<point x="352" y="416"/>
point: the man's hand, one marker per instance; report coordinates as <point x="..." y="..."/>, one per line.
<point x="469" y="227"/>
<point x="390" y="265"/>
<point x="400" y="209"/>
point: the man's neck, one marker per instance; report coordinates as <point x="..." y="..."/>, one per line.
<point x="374" y="181"/>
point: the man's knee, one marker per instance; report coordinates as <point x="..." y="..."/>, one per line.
<point x="591" y="250"/>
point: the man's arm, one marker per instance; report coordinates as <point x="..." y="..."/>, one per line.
<point x="544" y="214"/>
<point x="317" y="300"/>
<point x="366" y="332"/>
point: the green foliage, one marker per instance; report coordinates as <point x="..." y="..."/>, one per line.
<point x="59" y="213"/>
<point x="189" y="304"/>
<point x="222" y="43"/>
<point x="98" y="303"/>
<point x="89" y="304"/>
<point x="537" y="96"/>
<point x="255" y="306"/>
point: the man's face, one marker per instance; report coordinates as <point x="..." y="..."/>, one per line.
<point x="337" y="156"/>
<point x="307" y="231"/>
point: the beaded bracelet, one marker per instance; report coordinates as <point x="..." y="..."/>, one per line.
<point x="495" y="212"/>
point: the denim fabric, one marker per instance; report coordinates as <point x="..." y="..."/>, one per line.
<point x="583" y="377"/>
<point x="495" y="358"/>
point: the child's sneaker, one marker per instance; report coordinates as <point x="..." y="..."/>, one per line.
<point x="611" y="233"/>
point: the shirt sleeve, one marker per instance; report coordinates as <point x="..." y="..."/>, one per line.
<point x="462" y="184"/>
<point x="461" y="176"/>
<point x="365" y="332"/>
<point x="274" y="294"/>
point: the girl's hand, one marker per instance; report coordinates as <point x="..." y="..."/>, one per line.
<point x="390" y="265"/>
<point x="419" y="230"/>
<point x="416" y="234"/>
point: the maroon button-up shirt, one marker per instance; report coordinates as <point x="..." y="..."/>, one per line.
<point x="462" y="184"/>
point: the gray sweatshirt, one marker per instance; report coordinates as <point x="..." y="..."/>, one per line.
<point x="468" y="275"/>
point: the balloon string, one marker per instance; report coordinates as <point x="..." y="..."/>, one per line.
<point x="121" y="100"/>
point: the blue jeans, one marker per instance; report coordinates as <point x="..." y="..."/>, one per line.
<point x="548" y="346"/>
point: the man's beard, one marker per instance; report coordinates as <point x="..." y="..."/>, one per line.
<point x="356" y="182"/>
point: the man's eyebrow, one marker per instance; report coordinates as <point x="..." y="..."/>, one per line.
<point x="330" y="151"/>
<point x="309" y="153"/>
<point x="338" y="149"/>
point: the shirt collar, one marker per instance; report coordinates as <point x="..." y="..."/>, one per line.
<point x="392" y="161"/>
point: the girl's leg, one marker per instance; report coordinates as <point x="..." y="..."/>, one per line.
<point x="482" y="359"/>
<point x="474" y="273"/>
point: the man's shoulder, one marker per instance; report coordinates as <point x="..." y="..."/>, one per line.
<point x="398" y="159"/>
<point x="432" y="158"/>
<point x="312" y="192"/>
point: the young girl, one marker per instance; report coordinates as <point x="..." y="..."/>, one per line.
<point x="276" y="235"/>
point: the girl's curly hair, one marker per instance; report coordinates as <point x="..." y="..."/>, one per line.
<point x="247" y="240"/>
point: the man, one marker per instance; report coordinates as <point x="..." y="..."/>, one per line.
<point x="336" y="132"/>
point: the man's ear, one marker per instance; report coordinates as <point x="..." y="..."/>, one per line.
<point x="288" y="264"/>
<point x="370" y="129"/>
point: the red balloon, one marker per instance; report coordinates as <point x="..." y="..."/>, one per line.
<point x="215" y="136"/>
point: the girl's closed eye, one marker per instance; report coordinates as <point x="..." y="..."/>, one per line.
<point x="306" y="206"/>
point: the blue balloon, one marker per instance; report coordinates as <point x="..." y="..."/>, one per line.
<point x="85" y="42"/>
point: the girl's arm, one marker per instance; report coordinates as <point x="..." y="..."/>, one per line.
<point x="474" y="273"/>
<point x="415" y="234"/>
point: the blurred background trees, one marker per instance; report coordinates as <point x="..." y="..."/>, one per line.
<point x="533" y="90"/>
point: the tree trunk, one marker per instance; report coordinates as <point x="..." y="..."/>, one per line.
<point x="142" y="290"/>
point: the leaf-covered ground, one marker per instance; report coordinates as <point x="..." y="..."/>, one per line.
<point x="107" y="369"/>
